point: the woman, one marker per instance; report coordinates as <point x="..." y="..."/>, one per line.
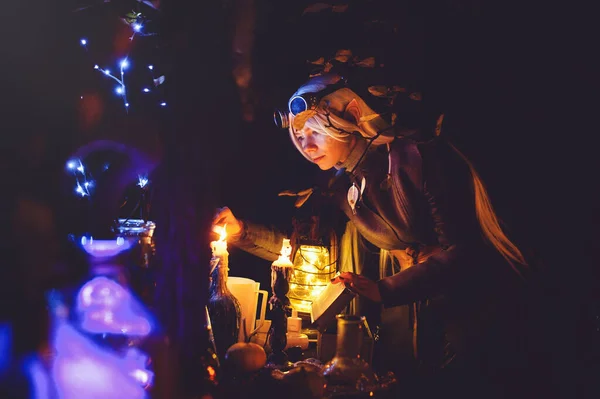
<point x="423" y="205"/>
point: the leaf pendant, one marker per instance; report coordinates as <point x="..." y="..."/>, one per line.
<point x="353" y="195"/>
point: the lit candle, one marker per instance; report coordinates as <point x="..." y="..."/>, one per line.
<point x="284" y="255"/>
<point x="281" y="271"/>
<point x="283" y="264"/>
<point x="219" y="247"/>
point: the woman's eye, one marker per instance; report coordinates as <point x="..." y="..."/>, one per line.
<point x="299" y="138"/>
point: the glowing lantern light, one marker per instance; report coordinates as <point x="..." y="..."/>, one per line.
<point x="314" y="266"/>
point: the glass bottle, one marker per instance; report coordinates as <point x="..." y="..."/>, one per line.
<point x="210" y="364"/>
<point x="347" y="375"/>
<point x="224" y="310"/>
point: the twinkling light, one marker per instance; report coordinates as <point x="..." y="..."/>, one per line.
<point x="83" y="185"/>
<point x="142" y="181"/>
<point x="121" y="89"/>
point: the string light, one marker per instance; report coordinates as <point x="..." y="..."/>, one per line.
<point x="142" y="181"/>
<point x="83" y="186"/>
<point x="121" y="89"/>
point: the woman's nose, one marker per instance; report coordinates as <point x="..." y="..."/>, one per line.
<point x="309" y="145"/>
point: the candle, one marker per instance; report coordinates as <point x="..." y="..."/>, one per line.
<point x="281" y="271"/>
<point x="284" y="257"/>
<point x="219" y="247"/>
<point x="283" y="264"/>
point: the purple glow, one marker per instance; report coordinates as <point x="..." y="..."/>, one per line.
<point x="82" y="369"/>
<point x="5" y="345"/>
<point x="136" y="362"/>
<point x="105" y="248"/>
<point x="40" y="380"/>
<point x="107" y="307"/>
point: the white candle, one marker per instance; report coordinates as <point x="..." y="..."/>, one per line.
<point x="219" y="247"/>
<point x="283" y="264"/>
<point x="284" y="257"/>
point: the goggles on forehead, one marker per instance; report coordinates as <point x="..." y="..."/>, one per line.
<point x="304" y="102"/>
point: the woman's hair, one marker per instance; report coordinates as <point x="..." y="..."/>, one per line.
<point x="331" y="117"/>
<point x="489" y="222"/>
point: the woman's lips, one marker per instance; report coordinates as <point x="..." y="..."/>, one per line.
<point x="317" y="159"/>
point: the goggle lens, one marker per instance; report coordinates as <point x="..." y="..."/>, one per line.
<point x="297" y="105"/>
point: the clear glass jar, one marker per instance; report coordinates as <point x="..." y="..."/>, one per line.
<point x="347" y="374"/>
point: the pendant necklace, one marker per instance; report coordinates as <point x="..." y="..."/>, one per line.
<point x="354" y="194"/>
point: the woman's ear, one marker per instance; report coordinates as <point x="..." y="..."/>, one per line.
<point x="352" y="112"/>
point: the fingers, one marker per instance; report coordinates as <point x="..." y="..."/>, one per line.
<point x="359" y="284"/>
<point x="344" y="277"/>
<point x="224" y="217"/>
<point x="221" y="216"/>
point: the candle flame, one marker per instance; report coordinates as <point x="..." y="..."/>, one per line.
<point x="286" y="252"/>
<point x="221" y="231"/>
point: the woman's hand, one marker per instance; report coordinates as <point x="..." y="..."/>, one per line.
<point x="359" y="284"/>
<point x="224" y="217"/>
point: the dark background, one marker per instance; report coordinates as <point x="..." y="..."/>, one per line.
<point x="512" y="77"/>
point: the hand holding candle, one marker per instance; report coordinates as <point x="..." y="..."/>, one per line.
<point x="226" y="219"/>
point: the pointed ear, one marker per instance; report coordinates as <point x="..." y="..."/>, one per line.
<point x="352" y="112"/>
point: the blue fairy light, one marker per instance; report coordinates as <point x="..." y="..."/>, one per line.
<point x="142" y="181"/>
<point x="123" y="65"/>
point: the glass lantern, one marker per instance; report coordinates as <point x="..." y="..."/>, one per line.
<point x="315" y="264"/>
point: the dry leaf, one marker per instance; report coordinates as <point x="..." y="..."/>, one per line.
<point x="306" y="191"/>
<point x="415" y="96"/>
<point x="378" y="91"/>
<point x="316" y="8"/>
<point x="320" y="61"/>
<point x="301" y="200"/>
<point x="343" y="55"/>
<point x="367" y="118"/>
<point x="287" y="193"/>
<point x="340" y="8"/>
<point x="367" y="62"/>
<point x="302" y="117"/>
<point x="290" y="193"/>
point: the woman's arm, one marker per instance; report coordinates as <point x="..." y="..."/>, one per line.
<point x="261" y="241"/>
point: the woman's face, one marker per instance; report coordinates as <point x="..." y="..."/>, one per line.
<point x="323" y="149"/>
